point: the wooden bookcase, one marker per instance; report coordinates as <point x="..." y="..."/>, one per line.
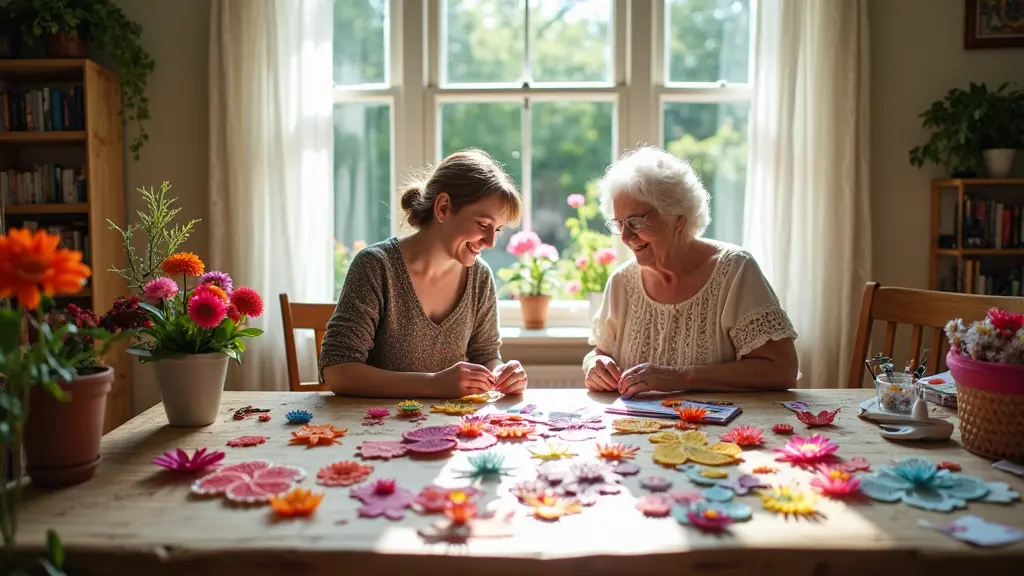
<point x="977" y="236"/>
<point x="79" y="135"/>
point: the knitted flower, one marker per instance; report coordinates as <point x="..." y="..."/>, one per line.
<point x="218" y="279"/>
<point x="206" y="310"/>
<point x="185" y="263"/>
<point x="160" y="289"/>
<point x="248" y="302"/>
<point x="211" y="289"/>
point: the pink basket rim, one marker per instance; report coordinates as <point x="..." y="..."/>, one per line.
<point x="1001" y="378"/>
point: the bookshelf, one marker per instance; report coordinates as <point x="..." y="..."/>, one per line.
<point x="63" y="170"/>
<point x="977" y="236"/>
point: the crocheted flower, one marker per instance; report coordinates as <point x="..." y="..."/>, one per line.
<point x="317" y="435"/>
<point x="586" y="481"/>
<point x="383" y="498"/>
<point x="765" y="470"/>
<point x="434" y="499"/>
<point x="409" y="408"/>
<point x="552" y="507"/>
<point x="343" y="473"/>
<point x="550" y="452"/>
<point x="656" y="483"/>
<point x="485" y="466"/>
<point x="710" y="516"/>
<point x="617" y="451"/>
<point x="511" y="430"/>
<point x="637" y="425"/>
<point x="245" y="441"/>
<point x="835" y="482"/>
<point x="159" y="289"/>
<point x="218" y="279"/>
<point x="180" y="460"/>
<point x="206" y="310"/>
<point x="184" y="263"/>
<point x="297" y="502"/>
<point x="248" y="302"/>
<point x="382" y="449"/>
<point x="744" y="436"/>
<point x="626" y="469"/>
<point x="377" y="412"/>
<point x="432" y="439"/>
<point x="918" y="482"/>
<point x="253" y="481"/>
<point x="855" y="464"/>
<point x="472" y="428"/>
<point x="298" y="416"/>
<point x="265" y="417"/>
<point x="692" y="414"/>
<point x="782" y="428"/>
<point x="576" y="429"/>
<point x="454" y="408"/>
<point x="674" y="448"/>
<point x="823" y="418"/>
<point x="655" y="505"/>
<point x="708" y="519"/>
<point x="788" y="501"/>
<point x="802" y="451"/>
<point x="671" y="402"/>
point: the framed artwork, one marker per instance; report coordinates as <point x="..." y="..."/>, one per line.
<point x="993" y="24"/>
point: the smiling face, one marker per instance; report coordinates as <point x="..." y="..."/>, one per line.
<point x="467" y="232"/>
<point x="659" y="237"/>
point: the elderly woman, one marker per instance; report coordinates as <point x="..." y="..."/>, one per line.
<point x="688" y="313"/>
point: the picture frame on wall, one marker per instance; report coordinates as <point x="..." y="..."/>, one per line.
<point x="993" y="24"/>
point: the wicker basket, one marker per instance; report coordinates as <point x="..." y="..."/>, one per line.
<point x="990" y="407"/>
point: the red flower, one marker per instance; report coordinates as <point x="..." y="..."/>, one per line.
<point x="234" y="314"/>
<point x="1006" y="323"/>
<point x="125" y="314"/>
<point x="248" y="302"/>
<point x="206" y="310"/>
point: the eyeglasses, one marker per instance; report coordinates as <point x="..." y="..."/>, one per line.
<point x="635" y="223"/>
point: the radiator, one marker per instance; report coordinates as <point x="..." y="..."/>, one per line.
<point x="555" y="376"/>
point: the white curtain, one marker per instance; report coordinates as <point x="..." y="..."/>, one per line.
<point x="807" y="211"/>
<point x="271" y="149"/>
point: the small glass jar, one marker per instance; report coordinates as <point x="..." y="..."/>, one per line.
<point x="896" y="393"/>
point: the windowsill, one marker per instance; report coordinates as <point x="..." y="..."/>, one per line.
<point x="549" y="336"/>
<point x="562" y="314"/>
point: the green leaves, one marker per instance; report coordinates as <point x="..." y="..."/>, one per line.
<point x="174" y="335"/>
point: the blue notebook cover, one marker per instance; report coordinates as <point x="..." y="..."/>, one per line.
<point x="717" y="414"/>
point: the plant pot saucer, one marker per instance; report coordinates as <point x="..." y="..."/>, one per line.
<point x="61" y="477"/>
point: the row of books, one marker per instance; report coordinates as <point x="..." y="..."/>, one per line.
<point x="73" y="236"/>
<point x="993" y="279"/>
<point x="992" y="224"/>
<point x="44" y="184"/>
<point x="42" y="109"/>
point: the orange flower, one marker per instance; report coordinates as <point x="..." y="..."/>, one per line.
<point x="617" y="451"/>
<point x="212" y="289"/>
<point x="314" y="434"/>
<point x="672" y="402"/>
<point x="33" y="263"/>
<point x="298" y="502"/>
<point x="185" y="263"/>
<point x="471" y="428"/>
<point x="692" y="414"/>
<point x="550" y="507"/>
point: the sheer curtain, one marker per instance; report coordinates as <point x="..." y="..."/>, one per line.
<point x="271" y="146"/>
<point x="807" y="211"/>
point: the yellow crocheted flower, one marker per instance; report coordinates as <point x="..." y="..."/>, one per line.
<point x="676" y="447"/>
<point x="786" y="500"/>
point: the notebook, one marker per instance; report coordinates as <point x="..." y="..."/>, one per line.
<point x="653" y="409"/>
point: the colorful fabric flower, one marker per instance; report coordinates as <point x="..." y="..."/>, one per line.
<point x="297" y="502"/>
<point x="248" y="302"/>
<point x="807" y="451"/>
<point x="206" y="310"/>
<point x="33" y="265"/>
<point x="218" y="279"/>
<point x="383" y="498"/>
<point x="159" y="289"/>
<point x="782" y="428"/>
<point x="183" y="263"/>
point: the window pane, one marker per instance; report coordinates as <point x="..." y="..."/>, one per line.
<point x="360" y="42"/>
<point x="483" y="41"/>
<point x="708" y="40"/>
<point x="362" y="179"/>
<point x="495" y="127"/>
<point x="713" y="138"/>
<point x="570" y="40"/>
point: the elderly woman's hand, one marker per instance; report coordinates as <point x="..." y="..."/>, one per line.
<point x="602" y="375"/>
<point x="649" y="377"/>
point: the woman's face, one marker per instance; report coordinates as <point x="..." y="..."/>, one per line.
<point x="650" y="236"/>
<point x="472" y="229"/>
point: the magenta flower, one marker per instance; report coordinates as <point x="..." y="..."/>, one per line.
<point x="218" y="279"/>
<point x="207" y="310"/>
<point x="576" y="200"/>
<point x="806" y="451"/>
<point x="180" y="460"/>
<point x="546" y="251"/>
<point x="605" y="256"/>
<point x="523" y="243"/>
<point x="708" y="519"/>
<point x="159" y="289"/>
<point x="582" y="262"/>
<point x="835" y="482"/>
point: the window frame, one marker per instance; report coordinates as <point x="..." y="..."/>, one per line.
<point x="638" y="91"/>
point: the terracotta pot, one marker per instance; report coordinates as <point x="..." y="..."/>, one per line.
<point x="64" y="45"/>
<point x="535" y="311"/>
<point x="990" y="406"/>
<point x="62" y="439"/>
<point x="191" y="387"/>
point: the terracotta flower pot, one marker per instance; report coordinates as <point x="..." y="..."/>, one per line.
<point x="990" y="406"/>
<point x="65" y="45"/>
<point x="62" y="439"/>
<point x="191" y="387"/>
<point x="535" y="311"/>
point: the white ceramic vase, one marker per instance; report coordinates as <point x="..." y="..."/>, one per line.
<point x="595" y="299"/>
<point x="191" y="387"/>
<point x="999" y="161"/>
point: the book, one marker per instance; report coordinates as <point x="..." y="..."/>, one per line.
<point x="717" y="414"/>
<point x="939" y="389"/>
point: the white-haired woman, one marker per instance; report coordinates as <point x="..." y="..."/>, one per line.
<point x="688" y="313"/>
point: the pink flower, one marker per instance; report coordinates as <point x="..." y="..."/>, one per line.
<point x="574" y="287"/>
<point x="523" y="243"/>
<point x="546" y="251"/>
<point x="576" y="200"/>
<point x="708" y="519"/>
<point x="582" y="262"/>
<point x="605" y="256"/>
<point x="206" y="310"/>
<point x="835" y="482"/>
<point x="803" y="451"/>
<point x="181" y="461"/>
<point x="160" y="289"/>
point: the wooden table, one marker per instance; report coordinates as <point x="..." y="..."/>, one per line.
<point x="133" y="518"/>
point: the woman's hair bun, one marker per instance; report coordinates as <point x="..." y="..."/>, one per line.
<point x="410" y="197"/>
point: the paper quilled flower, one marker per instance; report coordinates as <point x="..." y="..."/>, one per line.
<point x="317" y="435"/>
<point x="180" y="461"/>
<point x="744" y="436"/>
<point x="552" y="507"/>
<point x="637" y="425"/>
<point x="377" y="413"/>
<point x="823" y="418"/>
<point x="454" y="408"/>
<point x="855" y="464"/>
<point x="432" y="439"/>
<point x="383" y="498"/>
<point x="782" y="428"/>
<point x="485" y="466"/>
<point x="656" y="483"/>
<point x="586" y="481"/>
<point x="674" y="448"/>
<point x="835" y="482"/>
<point x="617" y="451"/>
<point x="549" y="451"/>
<point x="246" y="441"/>
<point x="434" y="499"/>
<point x="298" y="416"/>
<point x="802" y="451"/>
<point x="383" y="449"/>
<point x="576" y="429"/>
<point x="297" y="502"/>
<point x="692" y="414"/>
<point x="409" y="408"/>
<point x="788" y="501"/>
<point x="655" y="505"/>
<point x="250" y="482"/>
<point x="343" y="473"/>
<point x="919" y="483"/>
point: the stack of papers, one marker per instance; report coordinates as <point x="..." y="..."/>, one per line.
<point x="939" y="389"/>
<point x="654" y="409"/>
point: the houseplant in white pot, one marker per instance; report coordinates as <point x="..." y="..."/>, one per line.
<point x="591" y="254"/>
<point x="1001" y="130"/>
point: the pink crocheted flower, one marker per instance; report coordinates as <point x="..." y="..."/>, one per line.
<point x="377" y="412"/>
<point x="708" y="519"/>
<point x="782" y="428"/>
<point x="655" y="505"/>
<point x="180" y="460"/>
<point x="382" y="449"/>
<point x="807" y="451"/>
<point x="253" y="481"/>
<point x="855" y="464"/>
<point x="835" y="482"/>
<point x="383" y="497"/>
<point x="245" y="441"/>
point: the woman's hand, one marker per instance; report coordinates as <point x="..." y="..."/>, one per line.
<point x="602" y="375"/>
<point x="463" y="379"/>
<point x="510" y="378"/>
<point x="649" y="377"/>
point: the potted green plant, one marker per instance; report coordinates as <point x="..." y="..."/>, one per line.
<point x="591" y="254"/>
<point x="1001" y="130"/>
<point x="67" y="27"/>
<point x="532" y="278"/>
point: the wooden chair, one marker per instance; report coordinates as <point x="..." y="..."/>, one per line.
<point x="920" y="309"/>
<point x="298" y="316"/>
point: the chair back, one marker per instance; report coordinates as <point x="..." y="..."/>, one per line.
<point x="300" y="316"/>
<point x="920" y="309"/>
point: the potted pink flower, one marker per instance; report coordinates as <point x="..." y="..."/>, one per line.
<point x="986" y="360"/>
<point x="594" y="255"/>
<point x="532" y="278"/>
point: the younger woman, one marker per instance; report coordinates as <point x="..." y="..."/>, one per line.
<point x="418" y="315"/>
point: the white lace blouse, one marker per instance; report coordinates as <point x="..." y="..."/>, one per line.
<point x="734" y="313"/>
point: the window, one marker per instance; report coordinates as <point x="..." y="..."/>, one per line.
<point x="555" y="90"/>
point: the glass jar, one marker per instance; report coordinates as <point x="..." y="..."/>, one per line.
<point x="896" y="393"/>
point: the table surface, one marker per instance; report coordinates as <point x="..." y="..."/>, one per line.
<point x="134" y="517"/>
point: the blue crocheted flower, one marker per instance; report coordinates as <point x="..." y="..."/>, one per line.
<point x="920" y="483"/>
<point x="299" y="416"/>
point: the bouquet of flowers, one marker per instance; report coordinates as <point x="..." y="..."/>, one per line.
<point x="593" y="253"/>
<point x="534" y="273"/>
<point x="998" y="338"/>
